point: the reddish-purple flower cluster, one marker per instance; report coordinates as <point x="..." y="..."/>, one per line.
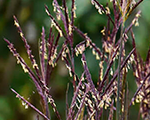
<point x="111" y="90"/>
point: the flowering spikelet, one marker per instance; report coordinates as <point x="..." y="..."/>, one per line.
<point x="35" y="66"/>
<point x="135" y="20"/>
<point x="97" y="6"/>
<point x="19" y="59"/>
<point x="89" y="100"/>
<point x="54" y="24"/>
<point x="142" y="74"/>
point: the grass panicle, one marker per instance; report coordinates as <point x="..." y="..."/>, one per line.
<point x="90" y="101"/>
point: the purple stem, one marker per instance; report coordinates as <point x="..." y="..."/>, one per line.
<point x="42" y="59"/>
<point x="108" y="15"/>
<point x="33" y="107"/>
<point x="29" y="52"/>
<point x="107" y="70"/>
<point x="74" y="98"/>
<point x="116" y="73"/>
<point x="139" y="89"/>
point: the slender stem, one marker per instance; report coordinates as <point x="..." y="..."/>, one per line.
<point x="133" y="8"/>
<point x="140" y="87"/>
<point x="33" y="107"/>
<point x="119" y="74"/>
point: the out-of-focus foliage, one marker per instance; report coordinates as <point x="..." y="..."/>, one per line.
<point x="32" y="17"/>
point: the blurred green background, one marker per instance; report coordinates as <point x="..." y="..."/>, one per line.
<point x="32" y="17"/>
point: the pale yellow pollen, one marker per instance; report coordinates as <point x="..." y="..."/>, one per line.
<point x="122" y="109"/>
<point x="82" y="79"/>
<point x="78" y="100"/>
<point x="54" y="109"/>
<point x="24" y="68"/>
<point x="21" y="34"/>
<point x="146" y="101"/>
<point x="136" y="23"/>
<point x="47" y="12"/>
<point x="45" y="56"/>
<point x="85" y="34"/>
<point x="96" y="6"/>
<point x="70" y="29"/>
<point x="77" y="52"/>
<point x="54" y="24"/>
<point x="58" y="14"/>
<point x="74" y="15"/>
<point x="77" y="106"/>
<point x="83" y="62"/>
<point x="93" y="52"/>
<point x="35" y="65"/>
<point x="101" y="76"/>
<point x="136" y="74"/>
<point x="16" y="23"/>
<point x="137" y="15"/>
<point x="111" y="72"/>
<point x="54" y="6"/>
<point x="87" y="43"/>
<point x="69" y="69"/>
<point x="101" y="104"/>
<point x="90" y="46"/>
<point x="106" y="106"/>
<point x="99" y="11"/>
<point x="81" y="49"/>
<point x="50" y="100"/>
<point x="18" y="61"/>
<point x="58" y="17"/>
<point x="107" y="10"/>
<point x="67" y="50"/>
<point x="97" y="56"/>
<point x="101" y="64"/>
<point x="103" y="32"/>
<point x="50" y="62"/>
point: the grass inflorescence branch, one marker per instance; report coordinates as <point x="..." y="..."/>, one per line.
<point x="90" y="101"/>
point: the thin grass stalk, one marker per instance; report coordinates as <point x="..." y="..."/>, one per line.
<point x="63" y="18"/>
<point x="88" y="76"/>
<point x="29" y="104"/>
<point x="82" y="102"/>
<point x="126" y="114"/>
<point x="73" y="8"/>
<point x="140" y="87"/>
<point x="108" y="15"/>
<point x="38" y="83"/>
<point x="25" y="66"/>
<point x="51" y="101"/>
<point x="67" y="105"/>
<point x="56" y="23"/>
<point x="116" y="73"/>
<point x="42" y="55"/>
<point x="66" y="16"/>
<point x="27" y="46"/>
<point x="110" y="117"/>
<point x="118" y="106"/>
<point x="87" y="38"/>
<point x="49" y="44"/>
<point x="116" y="15"/>
<point x="133" y="8"/>
<point x="107" y="70"/>
<point x="139" y="113"/>
<point x="123" y="97"/>
<point x="74" y="98"/>
<point x="91" y="97"/>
